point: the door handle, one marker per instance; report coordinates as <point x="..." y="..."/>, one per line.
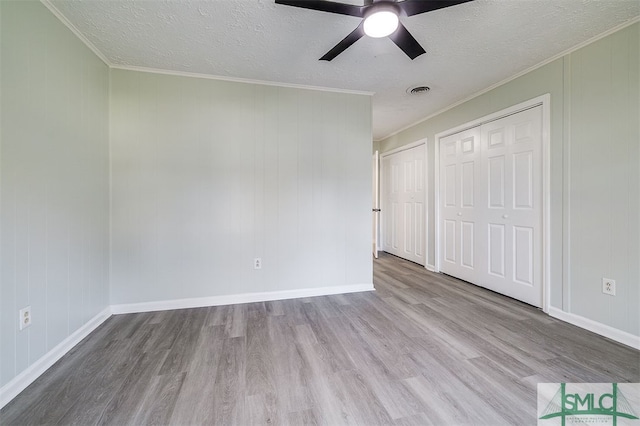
<point x="376" y="210"/>
<point x="505" y="216"/>
<point x="459" y="214"/>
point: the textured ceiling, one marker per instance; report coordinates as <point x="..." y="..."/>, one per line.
<point x="469" y="47"/>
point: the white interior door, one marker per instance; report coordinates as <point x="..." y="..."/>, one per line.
<point x="491" y="205"/>
<point x="403" y="212"/>
<point x="460" y="192"/>
<point x="513" y="156"/>
<point x="375" y="166"/>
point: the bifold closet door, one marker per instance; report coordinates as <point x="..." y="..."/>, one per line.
<point x="491" y="205"/>
<point x="512" y="153"/>
<point x="459" y="195"/>
<point x="403" y="210"/>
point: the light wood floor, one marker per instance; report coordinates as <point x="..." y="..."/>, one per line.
<point x="423" y="349"/>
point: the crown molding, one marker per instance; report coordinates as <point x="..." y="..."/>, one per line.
<point x="75" y="31"/>
<point x="238" y="80"/>
<point x="104" y="59"/>
<point x="518" y="75"/>
<point x="49" y="5"/>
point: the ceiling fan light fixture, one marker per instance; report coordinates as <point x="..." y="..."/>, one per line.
<point x="379" y="18"/>
<point x="381" y="23"/>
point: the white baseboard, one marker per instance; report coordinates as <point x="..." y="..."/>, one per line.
<point x="234" y="299"/>
<point x="28" y="376"/>
<point x="596" y="327"/>
<point x="430" y="268"/>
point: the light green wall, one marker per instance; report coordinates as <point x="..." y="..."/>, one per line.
<point x="54" y="213"/>
<point x="603" y="180"/>
<point x="547" y="79"/>
<point x="594" y="172"/>
<point x="209" y="174"/>
<point x="298" y="174"/>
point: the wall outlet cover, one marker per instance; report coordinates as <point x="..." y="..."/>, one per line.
<point x="24" y="317"/>
<point x="609" y="286"/>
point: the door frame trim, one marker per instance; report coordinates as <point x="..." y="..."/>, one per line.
<point x="382" y="200"/>
<point x="377" y="202"/>
<point x="404" y="147"/>
<point x="545" y="102"/>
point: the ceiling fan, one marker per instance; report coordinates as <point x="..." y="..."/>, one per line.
<point x="379" y="19"/>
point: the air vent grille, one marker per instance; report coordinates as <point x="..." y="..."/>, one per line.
<point x="418" y="90"/>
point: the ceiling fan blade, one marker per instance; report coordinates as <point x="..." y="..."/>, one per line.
<point x="326" y="6"/>
<point x="414" y="7"/>
<point x="405" y="41"/>
<point x="344" y="44"/>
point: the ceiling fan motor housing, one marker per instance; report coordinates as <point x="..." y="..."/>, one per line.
<point x="381" y="19"/>
<point x="382" y="5"/>
<point x="390" y="27"/>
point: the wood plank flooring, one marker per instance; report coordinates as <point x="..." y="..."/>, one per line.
<point x="423" y="349"/>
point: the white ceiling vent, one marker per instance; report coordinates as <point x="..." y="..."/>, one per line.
<point x="418" y="90"/>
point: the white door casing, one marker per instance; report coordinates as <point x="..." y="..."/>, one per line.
<point x="490" y="205"/>
<point x="375" y="165"/>
<point x="403" y="207"/>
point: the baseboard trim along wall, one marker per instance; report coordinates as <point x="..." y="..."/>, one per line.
<point x="28" y="376"/>
<point x="596" y="327"/>
<point x="234" y="299"/>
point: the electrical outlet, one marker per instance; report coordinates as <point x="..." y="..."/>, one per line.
<point x="257" y="263"/>
<point x="609" y="286"/>
<point x="24" y="317"/>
